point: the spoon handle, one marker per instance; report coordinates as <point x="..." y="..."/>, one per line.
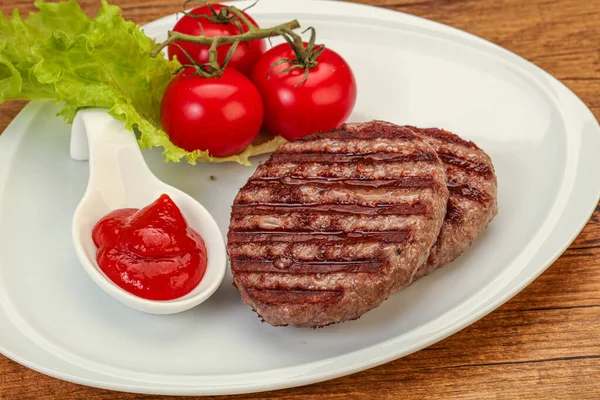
<point x="117" y="167"/>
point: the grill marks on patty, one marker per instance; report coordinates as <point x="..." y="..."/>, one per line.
<point x="366" y="158"/>
<point x="469" y="192"/>
<point x="276" y="209"/>
<point x="473" y="196"/>
<point x="467" y="165"/>
<point x="402" y="182"/>
<point x="300" y="296"/>
<point x="333" y="223"/>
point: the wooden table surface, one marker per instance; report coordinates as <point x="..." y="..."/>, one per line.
<point x="544" y="343"/>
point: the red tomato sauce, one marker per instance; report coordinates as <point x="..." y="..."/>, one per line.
<point x="150" y="252"/>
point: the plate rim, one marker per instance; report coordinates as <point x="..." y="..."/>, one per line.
<point x="11" y="141"/>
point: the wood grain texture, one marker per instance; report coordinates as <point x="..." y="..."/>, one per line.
<point x="544" y="343"/>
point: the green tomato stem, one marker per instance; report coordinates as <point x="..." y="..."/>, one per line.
<point x="254" y="33"/>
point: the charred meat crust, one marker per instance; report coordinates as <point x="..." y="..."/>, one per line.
<point x="472" y="203"/>
<point x="335" y="222"/>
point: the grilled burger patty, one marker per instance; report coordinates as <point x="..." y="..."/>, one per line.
<point x="335" y="222"/>
<point x="473" y="196"/>
<point x="472" y="203"/>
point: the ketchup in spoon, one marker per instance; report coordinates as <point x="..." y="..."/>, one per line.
<point x="150" y="252"/>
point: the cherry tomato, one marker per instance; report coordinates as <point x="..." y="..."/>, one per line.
<point x="220" y="115"/>
<point x="245" y="56"/>
<point x="294" y="108"/>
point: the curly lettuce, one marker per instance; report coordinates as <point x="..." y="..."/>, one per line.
<point x="61" y="54"/>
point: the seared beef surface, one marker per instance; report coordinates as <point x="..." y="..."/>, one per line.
<point x="473" y="196"/>
<point x="335" y="222"/>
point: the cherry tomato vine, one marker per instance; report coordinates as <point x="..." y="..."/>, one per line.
<point x="253" y="33"/>
<point x="301" y="87"/>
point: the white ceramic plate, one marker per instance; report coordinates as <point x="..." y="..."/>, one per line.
<point x="543" y="141"/>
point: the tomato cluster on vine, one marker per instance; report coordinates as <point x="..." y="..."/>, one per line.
<point x="219" y="103"/>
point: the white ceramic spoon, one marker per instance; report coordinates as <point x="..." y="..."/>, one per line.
<point x="120" y="178"/>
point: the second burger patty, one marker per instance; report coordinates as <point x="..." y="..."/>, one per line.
<point x="472" y="202"/>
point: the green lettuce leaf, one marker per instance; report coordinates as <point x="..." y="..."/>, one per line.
<point x="61" y="54"/>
